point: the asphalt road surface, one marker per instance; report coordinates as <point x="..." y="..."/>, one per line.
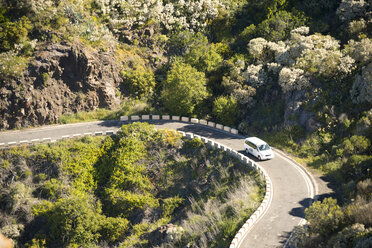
<point x="293" y="188"/>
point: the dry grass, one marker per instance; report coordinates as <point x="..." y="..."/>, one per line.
<point x="207" y="220"/>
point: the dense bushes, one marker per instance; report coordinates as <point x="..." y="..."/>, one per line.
<point x="301" y="68"/>
<point x="120" y="190"/>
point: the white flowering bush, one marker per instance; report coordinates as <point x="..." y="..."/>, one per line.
<point x="293" y="79"/>
<point x="357" y="27"/>
<point x="293" y="61"/>
<point x="183" y="14"/>
<point x="362" y="87"/>
<point x="33" y="6"/>
<point x="351" y="9"/>
<point x="255" y="75"/>
<point x="360" y="51"/>
<point x="325" y="63"/>
<point x="265" y="51"/>
<point x="244" y="95"/>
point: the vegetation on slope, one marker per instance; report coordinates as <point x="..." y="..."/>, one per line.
<point x="297" y="71"/>
<point x="142" y="187"/>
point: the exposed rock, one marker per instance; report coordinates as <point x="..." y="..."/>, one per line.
<point x="164" y="234"/>
<point x="296" y="114"/>
<point x="61" y="79"/>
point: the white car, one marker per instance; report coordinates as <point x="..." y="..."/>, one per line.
<point x="258" y="148"/>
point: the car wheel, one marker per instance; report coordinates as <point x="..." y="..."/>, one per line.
<point x="259" y="158"/>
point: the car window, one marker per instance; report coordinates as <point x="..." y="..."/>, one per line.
<point x="251" y="144"/>
<point x="264" y="147"/>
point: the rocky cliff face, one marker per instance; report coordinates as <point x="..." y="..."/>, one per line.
<point x="60" y="79"/>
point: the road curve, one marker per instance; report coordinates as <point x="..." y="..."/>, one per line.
<point x="293" y="188"/>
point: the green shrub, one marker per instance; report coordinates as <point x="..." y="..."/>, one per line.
<point x="51" y="189"/>
<point x="12" y="33"/>
<point x="170" y="204"/>
<point x="75" y="221"/>
<point x="140" y="81"/>
<point x="325" y="217"/>
<point x="357" y="167"/>
<point x="278" y="27"/>
<point x="113" y="229"/>
<point x="45" y="78"/>
<point x="226" y="110"/>
<point x="184" y="88"/>
<point x="11" y="65"/>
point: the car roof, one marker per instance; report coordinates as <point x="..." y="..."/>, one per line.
<point x="256" y="141"/>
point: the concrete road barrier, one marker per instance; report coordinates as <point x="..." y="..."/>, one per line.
<point x="134" y="118"/>
<point x="183" y="133"/>
<point x="227" y="129"/>
<point x="145" y="117"/>
<point x="110" y="132"/>
<point x="211" y="124"/>
<point x="155" y="117"/>
<point x="124" y="118"/>
<point x="165" y="117"/>
<point x="219" y="126"/>
<point x="185" y="119"/>
<point x="203" y="122"/>
<point x="46" y="140"/>
<point x="194" y="120"/>
<point x="190" y="135"/>
<point x="175" y="118"/>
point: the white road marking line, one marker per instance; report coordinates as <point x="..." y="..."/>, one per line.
<point x="310" y="183"/>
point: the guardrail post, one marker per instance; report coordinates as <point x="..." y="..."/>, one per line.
<point x="190" y="135"/>
<point x="124" y="118"/>
<point x="227" y="129"/>
<point x="194" y="120"/>
<point x="203" y="122"/>
<point x="211" y="124"/>
<point x="134" y="118"/>
<point x="234" y="131"/>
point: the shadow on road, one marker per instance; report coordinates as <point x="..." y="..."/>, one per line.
<point x="112" y="123"/>
<point x="300" y="211"/>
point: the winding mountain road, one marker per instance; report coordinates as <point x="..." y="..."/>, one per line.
<point x="293" y="188"/>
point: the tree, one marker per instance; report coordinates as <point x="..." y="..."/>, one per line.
<point x="226" y="110"/>
<point x="197" y="51"/>
<point x="184" y="88"/>
<point x="325" y="217"/>
<point x="279" y="26"/>
<point x="202" y="55"/>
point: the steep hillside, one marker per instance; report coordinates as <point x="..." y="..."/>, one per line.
<point x="296" y="71"/>
<point x="140" y="188"/>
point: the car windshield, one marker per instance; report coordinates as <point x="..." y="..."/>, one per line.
<point x="264" y="147"/>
